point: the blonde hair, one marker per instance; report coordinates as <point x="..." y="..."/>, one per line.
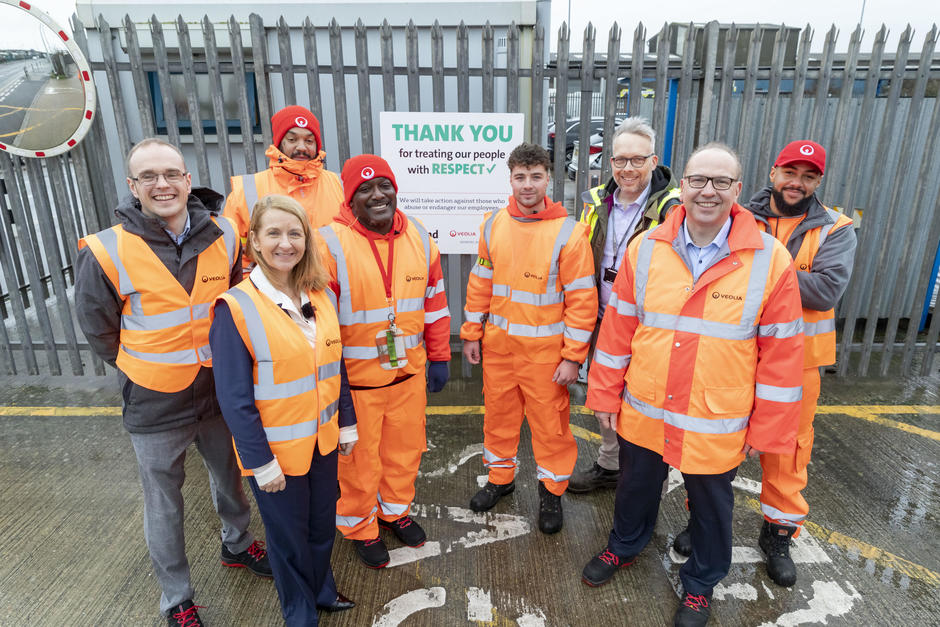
<point x="309" y="274"/>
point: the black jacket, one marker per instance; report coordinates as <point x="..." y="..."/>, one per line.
<point x="98" y="307"/>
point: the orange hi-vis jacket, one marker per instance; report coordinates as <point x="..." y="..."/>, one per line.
<point x="318" y="190"/>
<point x="164" y="331"/>
<point x="819" y="327"/>
<point x="696" y="370"/>
<point x="418" y="300"/>
<point x="296" y="389"/>
<point x="533" y="284"/>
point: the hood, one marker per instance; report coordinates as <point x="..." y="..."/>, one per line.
<point x="293" y="174"/>
<point x="551" y="210"/>
<point x="346" y="217"/>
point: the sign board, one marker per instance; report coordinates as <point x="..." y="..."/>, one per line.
<point x="451" y="169"/>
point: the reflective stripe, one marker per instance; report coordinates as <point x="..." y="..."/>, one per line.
<point x="578" y="335"/>
<point x="392" y="509"/>
<point x="251" y="193"/>
<point x="156" y="322"/>
<point x="824" y="233"/>
<point x="757" y="282"/>
<point x="326" y="414"/>
<point x="487" y="231"/>
<point x="618" y="362"/>
<point x="623" y="307"/>
<point x="819" y="327"/>
<point x="425" y="239"/>
<point x="327" y="371"/>
<point x="204" y="352"/>
<point x="490" y="460"/>
<point x="474" y="316"/>
<point x="583" y="283"/>
<point x="709" y="328"/>
<point x="642" y="275"/>
<point x="531" y="298"/>
<point x="230" y="237"/>
<point x="186" y="357"/>
<point x="783" y="330"/>
<point x="567" y="228"/>
<point x="482" y="272"/>
<point x="783" y="517"/>
<point x="694" y="424"/>
<point x="372" y="352"/>
<point x="344" y="307"/>
<point x="778" y="394"/>
<point x="404" y="305"/>
<point x="109" y="241"/>
<point x="352" y="521"/>
<point x="528" y="330"/>
<point x="286" y="433"/>
<point x="430" y="317"/>
<point x="434" y="290"/>
<point x="266" y="389"/>
<point x="544" y="473"/>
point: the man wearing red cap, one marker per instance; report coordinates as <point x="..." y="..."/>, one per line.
<point x="393" y="316"/>
<point x="295" y="169"/>
<point x="822" y="244"/>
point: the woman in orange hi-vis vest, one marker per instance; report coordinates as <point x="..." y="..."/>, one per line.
<point x="285" y="396"/>
<point x="539" y="306"/>
<point x="393" y="316"/>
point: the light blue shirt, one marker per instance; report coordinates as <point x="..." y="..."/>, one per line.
<point x="620" y="225"/>
<point x="179" y="238"/>
<point x="701" y="258"/>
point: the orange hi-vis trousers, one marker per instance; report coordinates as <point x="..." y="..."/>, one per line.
<point x="513" y="388"/>
<point x="379" y="476"/>
<point x="784" y="476"/>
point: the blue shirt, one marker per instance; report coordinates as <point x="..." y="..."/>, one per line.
<point x="701" y="258"/>
<point x="182" y="236"/>
<point x="620" y="224"/>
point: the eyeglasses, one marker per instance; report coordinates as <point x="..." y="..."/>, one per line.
<point x="720" y="183"/>
<point x="151" y="178"/>
<point x="636" y="162"/>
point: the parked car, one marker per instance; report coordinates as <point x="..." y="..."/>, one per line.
<point x="596" y="149"/>
<point x="572" y="132"/>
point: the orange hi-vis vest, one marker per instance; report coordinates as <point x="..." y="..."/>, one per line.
<point x="819" y="327"/>
<point x="296" y="388"/>
<point x="164" y="331"/>
<point x="532" y="290"/>
<point x="363" y="309"/>
<point x="698" y="369"/>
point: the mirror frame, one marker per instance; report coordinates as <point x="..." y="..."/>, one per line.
<point x="84" y="72"/>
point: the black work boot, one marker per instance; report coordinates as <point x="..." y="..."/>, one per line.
<point x="774" y="541"/>
<point x="683" y="542"/>
<point x="490" y="494"/>
<point x="593" y="478"/>
<point x="550" y="515"/>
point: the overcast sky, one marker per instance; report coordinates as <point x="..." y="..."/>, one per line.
<point x="821" y="14"/>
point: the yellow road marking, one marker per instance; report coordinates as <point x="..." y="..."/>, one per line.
<point x="870" y="413"/>
<point x="879" y="556"/>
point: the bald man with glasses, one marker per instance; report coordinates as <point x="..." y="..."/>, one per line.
<point x="637" y="196"/>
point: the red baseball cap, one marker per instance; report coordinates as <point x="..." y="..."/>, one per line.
<point x="363" y="168"/>
<point x="803" y="151"/>
<point x="295" y="116"/>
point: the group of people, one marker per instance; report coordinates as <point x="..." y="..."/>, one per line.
<point x="294" y="331"/>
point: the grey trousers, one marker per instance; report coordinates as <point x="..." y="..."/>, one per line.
<point x="160" y="458"/>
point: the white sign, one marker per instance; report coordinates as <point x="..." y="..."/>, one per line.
<point x="451" y="169"/>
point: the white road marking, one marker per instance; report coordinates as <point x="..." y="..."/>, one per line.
<point x="742" y="591"/>
<point x="407" y="554"/>
<point x="828" y="599"/>
<point x="479" y="605"/>
<point x="770" y="593"/>
<point x="400" y="608"/>
<point x="803" y="550"/>
<point x="532" y="620"/>
<point x="468" y="453"/>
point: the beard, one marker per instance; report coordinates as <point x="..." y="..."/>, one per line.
<point x="789" y="209"/>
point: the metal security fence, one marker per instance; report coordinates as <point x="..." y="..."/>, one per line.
<point x="210" y="87"/>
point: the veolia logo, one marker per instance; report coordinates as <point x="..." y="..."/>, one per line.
<point x="219" y="277"/>
<point x="331" y="341"/>
<point x="532" y="275"/>
<point x="717" y="295"/>
<point x="414" y="278"/>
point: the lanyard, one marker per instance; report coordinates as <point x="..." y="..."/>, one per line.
<point x="617" y="255"/>
<point x="386" y="273"/>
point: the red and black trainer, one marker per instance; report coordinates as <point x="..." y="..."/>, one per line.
<point x="254" y="558"/>
<point x="406" y="529"/>
<point x="602" y="567"/>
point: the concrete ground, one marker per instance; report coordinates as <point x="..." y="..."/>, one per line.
<point x="72" y="550"/>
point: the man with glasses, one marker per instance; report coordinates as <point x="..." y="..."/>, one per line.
<point x="697" y="365"/>
<point x="822" y="243"/>
<point x="637" y="196"/>
<point x="143" y="290"/>
<point x="295" y="168"/>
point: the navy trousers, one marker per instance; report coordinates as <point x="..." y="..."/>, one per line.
<point x="300" y="524"/>
<point x="636" y="508"/>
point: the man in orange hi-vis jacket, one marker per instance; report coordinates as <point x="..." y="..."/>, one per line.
<point x="531" y="299"/>
<point x="698" y="364"/>
<point x="295" y="169"/>
<point x="393" y="316"/>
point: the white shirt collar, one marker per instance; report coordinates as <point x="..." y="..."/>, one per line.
<point x="279" y="298"/>
<point x="640" y="200"/>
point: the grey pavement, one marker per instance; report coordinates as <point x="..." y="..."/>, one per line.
<point x="73" y="550"/>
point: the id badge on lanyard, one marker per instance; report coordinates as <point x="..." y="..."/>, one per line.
<point x="391" y="346"/>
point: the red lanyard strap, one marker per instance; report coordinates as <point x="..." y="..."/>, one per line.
<point x="386" y="273"/>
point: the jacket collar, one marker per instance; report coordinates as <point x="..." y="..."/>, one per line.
<point x="744" y="233"/>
